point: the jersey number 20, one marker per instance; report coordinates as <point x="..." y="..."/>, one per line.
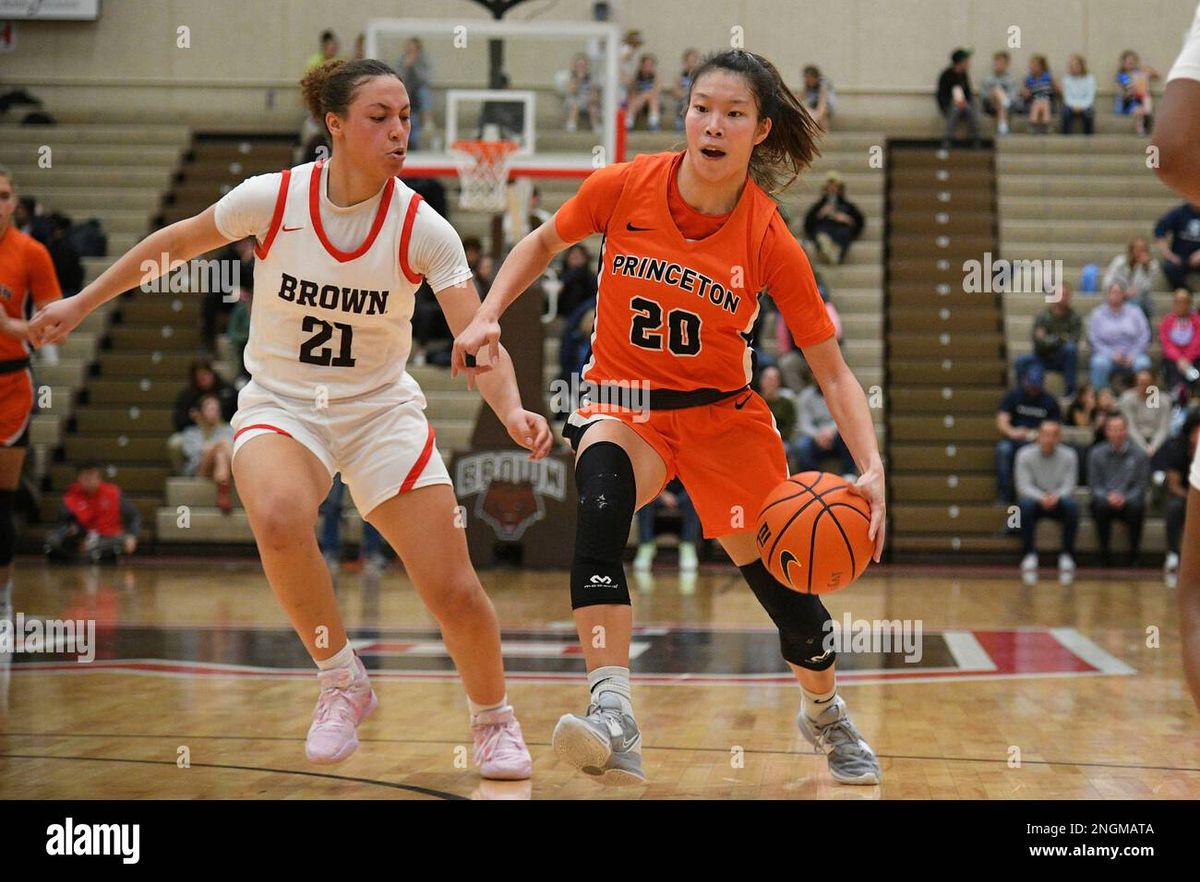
<point x="683" y="328"/>
<point x="310" y="354"/>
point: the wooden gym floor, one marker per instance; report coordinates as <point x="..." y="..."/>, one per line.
<point x="199" y="689"/>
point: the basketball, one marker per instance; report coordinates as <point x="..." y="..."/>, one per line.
<point x="812" y="533"/>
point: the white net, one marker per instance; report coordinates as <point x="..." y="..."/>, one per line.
<point x="483" y="174"/>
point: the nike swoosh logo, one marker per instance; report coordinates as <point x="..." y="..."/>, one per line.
<point x="291" y="229"/>
<point x="634" y="229"/>
<point x="785" y="562"/>
<point x="738" y="405"/>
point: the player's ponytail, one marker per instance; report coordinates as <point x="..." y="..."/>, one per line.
<point x="330" y="87"/>
<point x="791" y="145"/>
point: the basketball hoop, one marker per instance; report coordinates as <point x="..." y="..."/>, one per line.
<point x="483" y="173"/>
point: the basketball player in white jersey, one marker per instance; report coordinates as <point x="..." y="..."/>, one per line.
<point x="342" y="246"/>
<point x="1177" y="137"/>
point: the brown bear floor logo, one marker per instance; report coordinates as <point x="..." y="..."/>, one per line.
<point x="509" y="507"/>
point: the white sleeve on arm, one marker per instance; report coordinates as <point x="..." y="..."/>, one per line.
<point x="435" y="250"/>
<point x="247" y="209"/>
<point x="1187" y="66"/>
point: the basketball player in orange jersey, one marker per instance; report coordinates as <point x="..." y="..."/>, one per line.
<point x="342" y="247"/>
<point x="1177" y="137"/>
<point x="25" y="270"/>
<point x="691" y="239"/>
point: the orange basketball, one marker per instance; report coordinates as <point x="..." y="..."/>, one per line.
<point x="812" y="533"/>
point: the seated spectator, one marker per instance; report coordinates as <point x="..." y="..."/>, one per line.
<point x="1177" y="460"/>
<point x="1078" y="96"/>
<point x="238" y="332"/>
<point x="207" y="449"/>
<point x="1082" y="407"/>
<point x="1133" y="91"/>
<point x="31" y="219"/>
<point x="1119" y="475"/>
<point x="954" y="97"/>
<point x="96" y="520"/>
<point x="1038" y="92"/>
<point x="791" y="361"/>
<point x="782" y="403"/>
<point x="485" y="274"/>
<point x="1118" y="336"/>
<point x="1056" y="333"/>
<point x="1021" y="411"/>
<point x="417" y="75"/>
<point x="371" y="556"/>
<point x="1179" y="334"/>
<point x="999" y="92"/>
<point x="1147" y="414"/>
<point x="818" y="96"/>
<point x="67" y="265"/>
<point x="683" y="85"/>
<point x="203" y="380"/>
<point x="583" y="94"/>
<point x="645" y="94"/>
<point x="673" y="498"/>
<point x="312" y="131"/>
<point x="1177" y="235"/>
<point x="575" y="350"/>
<point x="1137" y="274"/>
<point x="628" y="61"/>
<point x="1106" y="406"/>
<point x="578" y="280"/>
<point x="238" y="259"/>
<point x="817" y="435"/>
<point x="1046" y="474"/>
<point x="833" y="221"/>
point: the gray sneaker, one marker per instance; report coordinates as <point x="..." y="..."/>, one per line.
<point x="851" y="760"/>
<point x="604" y="743"/>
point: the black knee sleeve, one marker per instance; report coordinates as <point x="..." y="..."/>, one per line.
<point x="607" y="495"/>
<point x="8" y="529"/>
<point x="805" y="636"/>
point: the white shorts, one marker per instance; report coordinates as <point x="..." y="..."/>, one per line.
<point x="381" y="443"/>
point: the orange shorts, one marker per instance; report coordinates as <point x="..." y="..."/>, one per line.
<point x="728" y="458"/>
<point x="16" y="406"/>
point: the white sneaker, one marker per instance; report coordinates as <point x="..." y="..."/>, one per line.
<point x="645" y="556"/>
<point x="1066" y="563"/>
<point x="1029" y="563"/>
<point x="1171" y="565"/>
<point x="689" y="562"/>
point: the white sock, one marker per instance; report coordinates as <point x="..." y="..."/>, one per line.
<point x="614" y="679"/>
<point x="477" y="709"/>
<point x="341" y="659"/>
<point x="816" y="703"/>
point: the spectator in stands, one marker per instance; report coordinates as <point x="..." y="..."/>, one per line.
<point x="1046" y="475"/>
<point x="67" y="265"/>
<point x="833" y="221"/>
<point x="1137" y="273"/>
<point x="1133" y="90"/>
<point x="208" y="449"/>
<point x="485" y="273"/>
<point x="1177" y="460"/>
<point x="674" y="498"/>
<point x="202" y="380"/>
<point x="312" y="131"/>
<point x="1119" y="475"/>
<point x="1147" y="414"/>
<point x="535" y="217"/>
<point x="1106" y="406"/>
<point x="1179" y="334"/>
<point x="1177" y="235"/>
<point x="430" y="331"/>
<point x="1082" y="407"/>
<point x="955" y="99"/>
<point x="577" y="278"/>
<point x="238" y="333"/>
<point x="1118" y="335"/>
<point x="1056" y="332"/>
<point x="583" y="94"/>
<point x="683" y="84"/>
<point x="792" y="364"/>
<point x="782" y="402"/>
<point x="238" y="258"/>
<point x="31" y="219"/>
<point x="1000" y="94"/>
<point x="1021" y="411"/>
<point x="645" y="94"/>
<point x="96" y="519"/>
<point x="327" y="52"/>
<point x="371" y="556"/>
<point x="473" y="250"/>
<point x="574" y="351"/>
<point x="416" y="73"/>
<point x="817" y="435"/>
<point x="1038" y="92"/>
<point x="627" y="60"/>
<point x="818" y="96"/>
<point x="1078" y="96"/>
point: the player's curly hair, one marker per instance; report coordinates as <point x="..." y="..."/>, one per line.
<point x="330" y="87"/>
<point x="791" y="145"/>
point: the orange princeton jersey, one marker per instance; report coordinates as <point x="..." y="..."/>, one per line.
<point x="678" y="313"/>
<point x="25" y="268"/>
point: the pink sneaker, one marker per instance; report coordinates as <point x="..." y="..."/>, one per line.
<point x="346" y="700"/>
<point x="500" y="750"/>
